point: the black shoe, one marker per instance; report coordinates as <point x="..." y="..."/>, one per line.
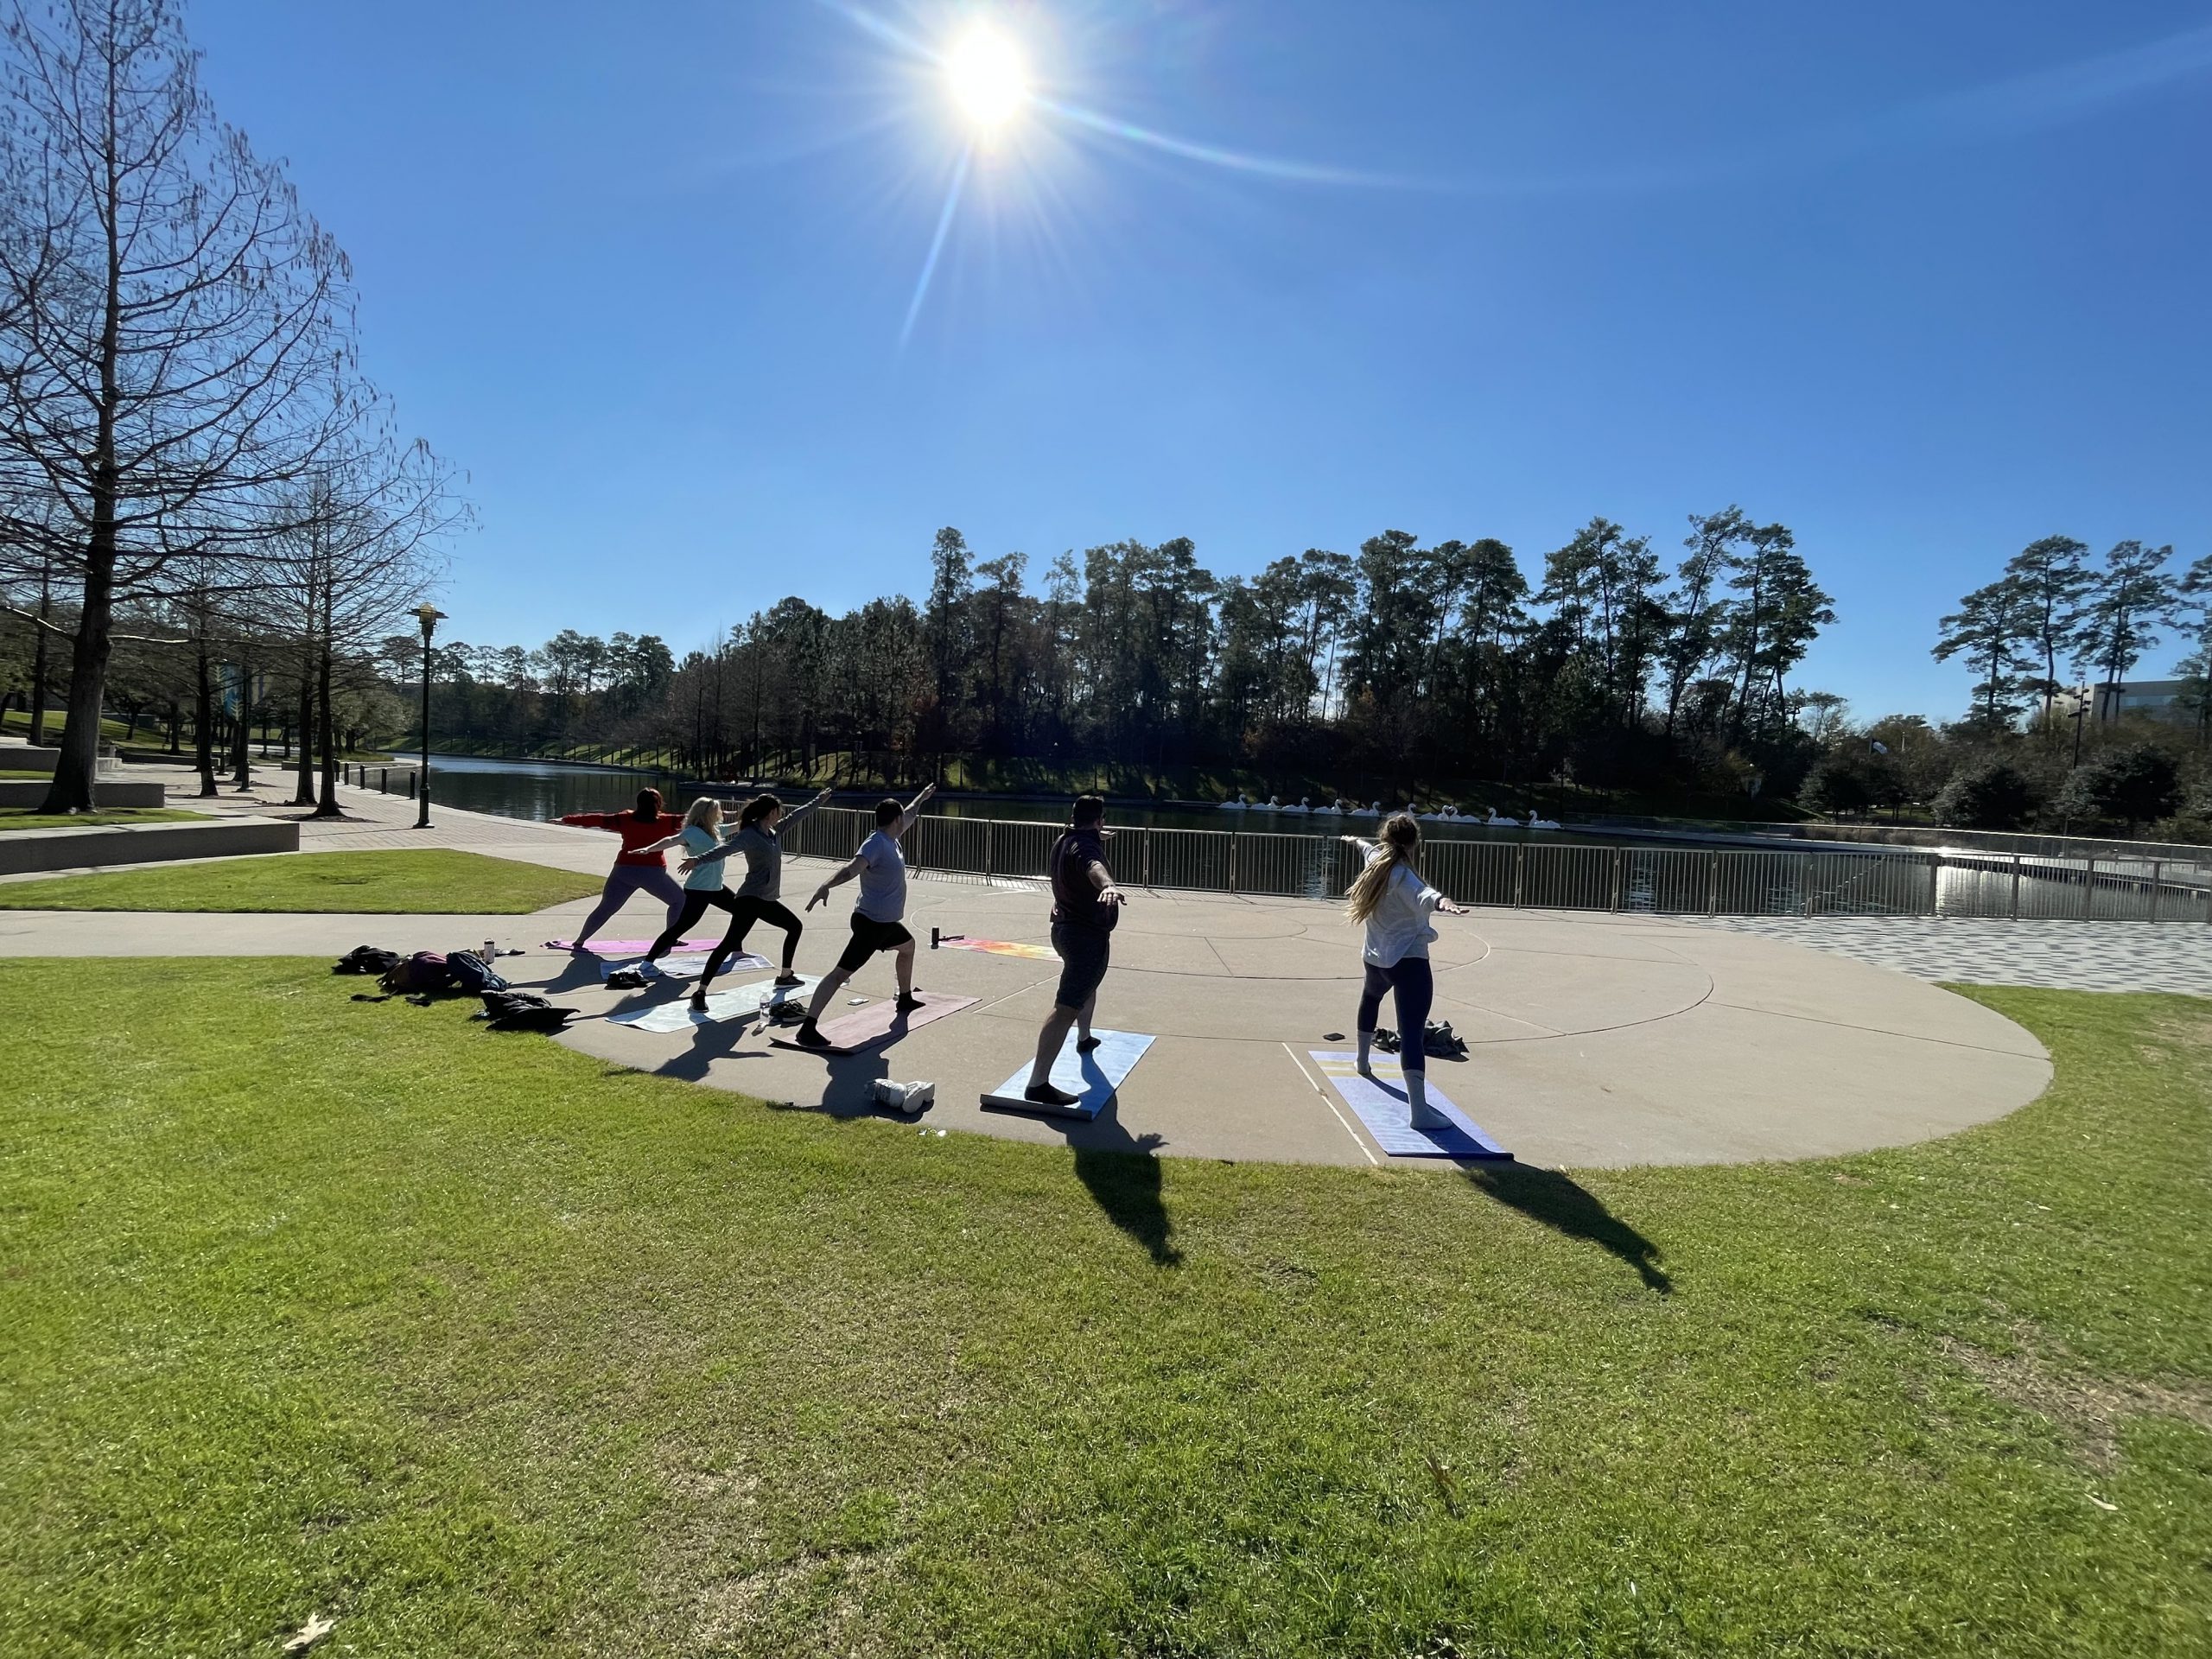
<point x="789" y="979"/>
<point x="810" y="1037"/>
<point x="699" y="1000"/>
<point x="909" y="1005"/>
<point x="1043" y="1094"/>
<point x="1084" y="1045"/>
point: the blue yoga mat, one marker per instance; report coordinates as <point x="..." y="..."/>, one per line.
<point x="1093" y="1078"/>
<point x="1381" y="1105"/>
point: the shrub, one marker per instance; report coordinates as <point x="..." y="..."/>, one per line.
<point x="2134" y="785"/>
<point x="1836" y="787"/>
<point x="1990" y="795"/>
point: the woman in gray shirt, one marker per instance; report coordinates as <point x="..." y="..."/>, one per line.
<point x="759" y="896"/>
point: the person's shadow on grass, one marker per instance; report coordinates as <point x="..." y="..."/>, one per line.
<point x="1123" y="1175"/>
<point x="1547" y="1196"/>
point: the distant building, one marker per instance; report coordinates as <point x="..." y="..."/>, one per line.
<point x="2160" y="699"/>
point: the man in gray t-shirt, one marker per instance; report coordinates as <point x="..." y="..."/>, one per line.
<point x="878" y="915"/>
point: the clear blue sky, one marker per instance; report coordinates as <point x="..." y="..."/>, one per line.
<point x="1922" y="282"/>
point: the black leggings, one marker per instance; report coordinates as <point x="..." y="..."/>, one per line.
<point x="695" y="901"/>
<point x="1414" y="987"/>
<point x="741" y="918"/>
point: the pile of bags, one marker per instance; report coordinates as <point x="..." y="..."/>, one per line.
<point x="427" y="974"/>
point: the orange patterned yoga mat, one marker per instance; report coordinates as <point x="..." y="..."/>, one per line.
<point x="1003" y="948"/>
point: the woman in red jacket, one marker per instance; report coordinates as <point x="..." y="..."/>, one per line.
<point x="635" y="869"/>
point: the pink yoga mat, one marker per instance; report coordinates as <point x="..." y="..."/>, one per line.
<point x="880" y="1022"/>
<point x="627" y="947"/>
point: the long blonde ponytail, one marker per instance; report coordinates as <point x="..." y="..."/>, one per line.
<point x="1401" y="845"/>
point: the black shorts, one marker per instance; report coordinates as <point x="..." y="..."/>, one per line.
<point x="1083" y="952"/>
<point x="869" y="936"/>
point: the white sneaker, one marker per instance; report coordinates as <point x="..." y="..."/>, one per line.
<point x="650" y="970"/>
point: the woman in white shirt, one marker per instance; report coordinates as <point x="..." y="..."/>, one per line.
<point x="1395" y="904"/>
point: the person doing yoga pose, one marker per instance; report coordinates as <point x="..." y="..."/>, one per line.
<point x="1395" y="904"/>
<point x="1085" y="905"/>
<point x="702" y="833"/>
<point x="759" y="896"/>
<point x="878" y="913"/>
<point x="638" y="867"/>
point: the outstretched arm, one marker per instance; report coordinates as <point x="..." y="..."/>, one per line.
<point x="1101" y="879"/>
<point x="913" y="810"/>
<point x="794" y="814"/>
<point x="664" y="843"/>
<point x="587" y="820"/>
<point x="1367" y="847"/>
<point x="844" y="873"/>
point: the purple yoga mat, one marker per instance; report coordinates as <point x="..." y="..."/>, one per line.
<point x="627" y="947"/>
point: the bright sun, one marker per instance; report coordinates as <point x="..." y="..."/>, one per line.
<point x="987" y="79"/>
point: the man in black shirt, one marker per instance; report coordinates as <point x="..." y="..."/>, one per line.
<point x="1085" y="905"/>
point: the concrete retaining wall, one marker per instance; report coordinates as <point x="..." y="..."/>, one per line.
<point x="27" y="792"/>
<point x="26" y="850"/>
<point x="21" y="757"/>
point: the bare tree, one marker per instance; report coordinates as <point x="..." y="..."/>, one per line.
<point x="164" y="303"/>
<point x="356" y="548"/>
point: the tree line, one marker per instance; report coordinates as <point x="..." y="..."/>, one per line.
<point x="2052" y="642"/>
<point x="193" y="470"/>
<point x="2051" y="608"/>
<point x="1442" y="659"/>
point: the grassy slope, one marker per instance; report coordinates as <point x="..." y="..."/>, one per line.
<point x="435" y="881"/>
<point x="27" y="818"/>
<point x="17" y="722"/>
<point x="489" y="1349"/>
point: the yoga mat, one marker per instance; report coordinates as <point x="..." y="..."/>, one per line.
<point x="689" y="967"/>
<point x="1002" y="948"/>
<point x="741" y="1003"/>
<point x="880" y="1022"/>
<point x="1093" y="1078"/>
<point x="624" y="947"/>
<point x="1381" y="1103"/>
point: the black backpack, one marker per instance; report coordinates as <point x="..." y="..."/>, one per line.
<point x="366" y="959"/>
<point x="472" y="975"/>
<point x="507" y="1010"/>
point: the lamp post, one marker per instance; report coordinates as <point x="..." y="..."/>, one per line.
<point x="429" y="616"/>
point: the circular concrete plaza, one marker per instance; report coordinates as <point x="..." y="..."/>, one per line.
<point x="1593" y="1039"/>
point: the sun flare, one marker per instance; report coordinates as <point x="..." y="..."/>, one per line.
<point x="988" y="79"/>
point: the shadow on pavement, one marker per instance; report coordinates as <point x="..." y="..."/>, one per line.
<point x="1547" y="1196"/>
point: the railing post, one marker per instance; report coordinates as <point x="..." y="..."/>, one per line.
<point x="1616" y="904"/>
<point x="1804" y="884"/>
<point x="1713" y="882"/>
<point x="2088" y="888"/>
<point x="1232" y="861"/>
<point x="990" y="844"/>
<point x="1147" y="857"/>
<point x="2015" y="914"/>
<point x="2158" y="884"/>
<point x="1520" y="863"/>
<point x="1935" y="884"/>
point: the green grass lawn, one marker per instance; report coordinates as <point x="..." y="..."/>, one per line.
<point x="433" y="881"/>
<point x="29" y="817"/>
<point x="17" y="722"/>
<point x="487" y="1348"/>
<point x="13" y="776"/>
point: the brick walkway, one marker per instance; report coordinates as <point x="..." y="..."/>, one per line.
<point x="2057" y="956"/>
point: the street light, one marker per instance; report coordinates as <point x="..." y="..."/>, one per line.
<point x="429" y="616"/>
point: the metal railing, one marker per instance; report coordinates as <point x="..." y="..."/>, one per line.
<point x="1570" y="875"/>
